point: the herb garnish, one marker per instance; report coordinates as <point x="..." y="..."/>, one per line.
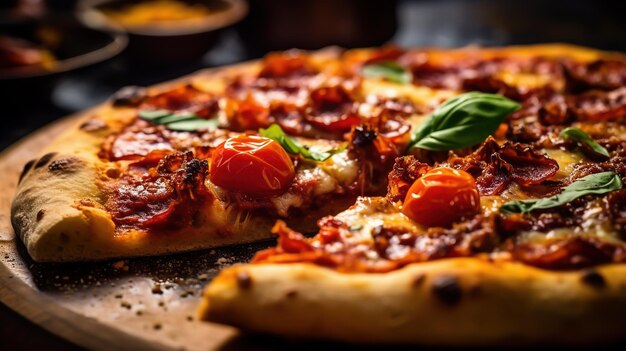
<point x="463" y="121"/>
<point x="597" y="183"/>
<point x="389" y="70"/>
<point x="293" y="147"/>
<point x="579" y="136"/>
<point x="182" y="122"/>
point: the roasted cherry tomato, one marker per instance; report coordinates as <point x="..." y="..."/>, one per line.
<point x="251" y="165"/>
<point x="441" y="196"/>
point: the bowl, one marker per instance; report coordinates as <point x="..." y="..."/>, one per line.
<point x="70" y="46"/>
<point x="165" y="42"/>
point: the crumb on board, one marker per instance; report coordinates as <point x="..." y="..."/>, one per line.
<point x="121" y="265"/>
<point x="156" y="289"/>
<point x="186" y="293"/>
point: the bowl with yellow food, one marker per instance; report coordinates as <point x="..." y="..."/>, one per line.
<point x="164" y="32"/>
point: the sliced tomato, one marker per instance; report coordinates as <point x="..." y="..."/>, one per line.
<point x="442" y="196"/>
<point x="251" y="165"/>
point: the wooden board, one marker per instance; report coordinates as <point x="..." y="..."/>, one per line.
<point x="143" y="303"/>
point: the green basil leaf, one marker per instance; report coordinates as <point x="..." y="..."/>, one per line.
<point x="193" y="125"/>
<point x="172" y="118"/>
<point x="388" y="70"/>
<point x="579" y="136"/>
<point x="153" y="115"/>
<point x="463" y="121"/>
<point x="293" y="147"/>
<point x="598" y="183"/>
<point x="182" y="122"/>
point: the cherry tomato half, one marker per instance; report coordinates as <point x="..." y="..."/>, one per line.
<point x="441" y="196"/>
<point x="251" y="165"/>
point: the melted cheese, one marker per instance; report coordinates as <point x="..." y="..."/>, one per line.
<point x="342" y="168"/>
<point x="529" y="80"/>
<point x="567" y="160"/>
<point x="422" y="96"/>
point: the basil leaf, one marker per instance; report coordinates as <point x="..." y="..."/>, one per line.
<point x="293" y="147"/>
<point x="598" y="183"/>
<point x="182" y="122"/>
<point x="172" y="118"/>
<point x="389" y="70"/>
<point x="463" y="121"/>
<point x="193" y="125"/>
<point x="153" y="115"/>
<point x="579" y="136"/>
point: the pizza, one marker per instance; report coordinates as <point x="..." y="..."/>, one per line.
<point x="209" y="160"/>
<point x="503" y="221"/>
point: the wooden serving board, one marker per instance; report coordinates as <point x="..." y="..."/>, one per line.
<point x="133" y="304"/>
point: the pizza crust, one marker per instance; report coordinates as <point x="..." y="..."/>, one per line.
<point x="450" y="302"/>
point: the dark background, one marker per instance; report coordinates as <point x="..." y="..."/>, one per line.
<point x="446" y="23"/>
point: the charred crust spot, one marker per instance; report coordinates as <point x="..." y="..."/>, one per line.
<point x="593" y="278"/>
<point x="64" y="165"/>
<point x="40" y="214"/>
<point x="93" y="125"/>
<point x="64" y="238"/>
<point x="363" y="136"/>
<point x="27" y="168"/>
<point x="418" y="280"/>
<point x="113" y="173"/>
<point x="244" y="281"/>
<point x="446" y="288"/>
<point x="45" y="159"/>
<point x="129" y="96"/>
<point x="291" y="294"/>
<point x="194" y="168"/>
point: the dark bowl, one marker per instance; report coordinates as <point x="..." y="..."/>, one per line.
<point x="171" y="44"/>
<point x="74" y="47"/>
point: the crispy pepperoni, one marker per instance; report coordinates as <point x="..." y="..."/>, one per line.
<point x="288" y="64"/>
<point x="332" y="109"/>
<point x="600" y="74"/>
<point x="166" y="197"/>
<point x="495" y="166"/>
<point x="406" y="170"/>
<point x="183" y="98"/>
<point x="569" y="253"/>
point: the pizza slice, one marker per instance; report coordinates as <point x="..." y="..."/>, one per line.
<point x="497" y="228"/>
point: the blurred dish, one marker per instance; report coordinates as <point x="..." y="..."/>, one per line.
<point x="159" y="13"/>
<point x="187" y="28"/>
<point x="30" y="49"/>
<point x="16" y="52"/>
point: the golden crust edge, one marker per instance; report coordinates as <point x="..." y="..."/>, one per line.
<point x="500" y="303"/>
